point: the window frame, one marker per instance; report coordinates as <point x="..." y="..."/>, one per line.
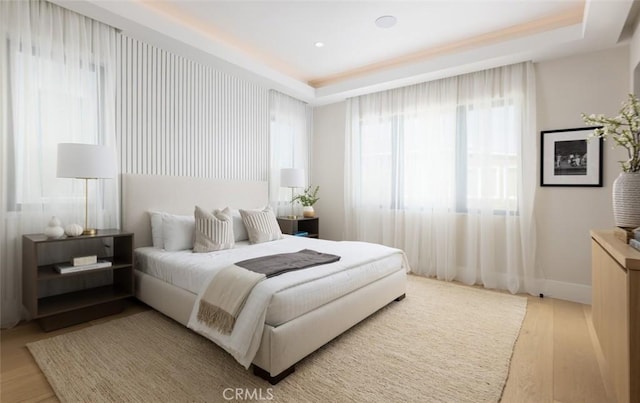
<point x="397" y="139"/>
<point x="15" y="203"/>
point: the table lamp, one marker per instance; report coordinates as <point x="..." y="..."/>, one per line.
<point x="86" y="161"/>
<point x="292" y="178"/>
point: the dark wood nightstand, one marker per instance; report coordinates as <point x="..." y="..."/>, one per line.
<point x="292" y="226"/>
<point x="66" y="309"/>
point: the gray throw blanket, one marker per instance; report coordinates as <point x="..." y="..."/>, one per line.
<point x="274" y="265"/>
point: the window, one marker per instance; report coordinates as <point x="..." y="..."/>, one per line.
<point x="51" y="111"/>
<point x="440" y="170"/>
<point x="488" y="159"/>
<point x="290" y="138"/>
<point x="406" y="156"/>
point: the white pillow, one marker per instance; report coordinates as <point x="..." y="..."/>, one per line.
<point x="213" y="231"/>
<point x="156" y="229"/>
<point x="261" y="225"/>
<point x="178" y="231"/>
<point x="239" y="230"/>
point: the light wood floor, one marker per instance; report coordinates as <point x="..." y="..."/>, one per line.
<point x="554" y="358"/>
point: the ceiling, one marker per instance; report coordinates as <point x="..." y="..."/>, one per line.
<point x="272" y="42"/>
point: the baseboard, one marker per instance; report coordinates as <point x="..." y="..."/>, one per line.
<point x="573" y="292"/>
<point x="568" y="291"/>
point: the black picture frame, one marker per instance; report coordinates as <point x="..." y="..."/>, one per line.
<point x="569" y="158"/>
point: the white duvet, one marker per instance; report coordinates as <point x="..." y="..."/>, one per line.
<point x="244" y="340"/>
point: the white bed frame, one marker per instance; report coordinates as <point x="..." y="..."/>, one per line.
<point x="282" y="346"/>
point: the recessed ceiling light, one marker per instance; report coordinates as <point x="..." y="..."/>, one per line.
<point x="318" y="44"/>
<point x="386" y="21"/>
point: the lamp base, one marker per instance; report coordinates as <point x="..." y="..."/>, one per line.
<point x="89" y="231"/>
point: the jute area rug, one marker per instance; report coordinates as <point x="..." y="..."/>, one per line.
<point x="443" y="343"/>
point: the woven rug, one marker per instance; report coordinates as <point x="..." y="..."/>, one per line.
<point x="444" y="343"/>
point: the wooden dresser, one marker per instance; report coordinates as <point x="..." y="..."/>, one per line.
<point x="616" y="311"/>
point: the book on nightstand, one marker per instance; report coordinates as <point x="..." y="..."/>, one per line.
<point x="84" y="260"/>
<point x="65" y="268"/>
<point x="301" y="233"/>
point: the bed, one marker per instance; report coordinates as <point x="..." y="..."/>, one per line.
<point x="295" y="324"/>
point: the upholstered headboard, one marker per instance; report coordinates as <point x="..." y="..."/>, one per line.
<point x="179" y="195"/>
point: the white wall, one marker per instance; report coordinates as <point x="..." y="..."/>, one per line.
<point x="634" y="60"/>
<point x="591" y="83"/>
<point x="328" y="167"/>
<point x="179" y="117"/>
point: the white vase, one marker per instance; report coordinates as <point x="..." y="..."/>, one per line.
<point x="73" y="230"/>
<point x="626" y="199"/>
<point x="307" y="211"/>
<point x="54" y="229"/>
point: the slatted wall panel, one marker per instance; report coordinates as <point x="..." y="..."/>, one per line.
<point x="178" y="117"/>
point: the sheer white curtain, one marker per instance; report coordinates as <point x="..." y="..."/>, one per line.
<point x="445" y="170"/>
<point x="58" y="85"/>
<point x="290" y="136"/>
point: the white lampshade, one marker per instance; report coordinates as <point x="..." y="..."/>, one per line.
<point x="88" y="161"/>
<point x="292" y="177"/>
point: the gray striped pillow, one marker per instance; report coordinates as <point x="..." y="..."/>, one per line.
<point x="261" y="225"/>
<point x="213" y="231"/>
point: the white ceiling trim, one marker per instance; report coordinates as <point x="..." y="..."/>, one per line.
<point x="504" y="53"/>
<point x="601" y="28"/>
<point x="168" y="34"/>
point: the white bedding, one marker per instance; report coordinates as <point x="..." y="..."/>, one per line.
<point x="190" y="271"/>
<point x="360" y="264"/>
<point x="184" y="268"/>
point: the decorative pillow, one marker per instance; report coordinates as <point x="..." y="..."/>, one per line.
<point x="239" y="230"/>
<point x="178" y="231"/>
<point x="213" y="231"/>
<point x="156" y="229"/>
<point x="261" y="225"/>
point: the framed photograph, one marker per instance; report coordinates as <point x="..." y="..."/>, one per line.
<point x="568" y="159"/>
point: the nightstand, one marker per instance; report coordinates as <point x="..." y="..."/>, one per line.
<point x="292" y="226"/>
<point x="39" y="258"/>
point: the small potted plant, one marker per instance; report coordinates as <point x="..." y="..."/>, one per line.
<point x="307" y="198"/>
